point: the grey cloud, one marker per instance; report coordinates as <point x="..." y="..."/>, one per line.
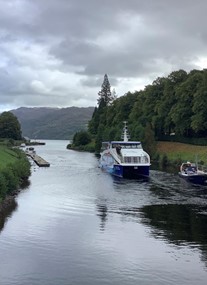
<point x="68" y="45"/>
<point x="97" y="81"/>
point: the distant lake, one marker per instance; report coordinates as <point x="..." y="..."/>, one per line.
<point x="75" y="224"/>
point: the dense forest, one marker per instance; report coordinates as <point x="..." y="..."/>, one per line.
<point x="174" y="105"/>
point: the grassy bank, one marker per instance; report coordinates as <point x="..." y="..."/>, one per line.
<point x="7" y="156"/>
<point x="178" y="152"/>
<point x="14" y="169"/>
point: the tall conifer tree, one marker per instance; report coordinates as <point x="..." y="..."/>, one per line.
<point x="105" y="95"/>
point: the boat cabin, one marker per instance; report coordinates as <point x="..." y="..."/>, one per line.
<point x="127" y="145"/>
<point x="120" y="144"/>
<point x="188" y="168"/>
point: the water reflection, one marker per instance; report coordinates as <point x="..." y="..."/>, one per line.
<point x="25" y="184"/>
<point x="177" y="223"/>
<point x="7" y="212"/>
<point x="173" y="211"/>
<point x="102" y="212"/>
<point x="11" y="204"/>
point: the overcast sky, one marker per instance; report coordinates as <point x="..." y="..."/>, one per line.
<point x="55" y="52"/>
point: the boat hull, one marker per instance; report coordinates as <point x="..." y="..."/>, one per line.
<point x="200" y="179"/>
<point x="129" y="172"/>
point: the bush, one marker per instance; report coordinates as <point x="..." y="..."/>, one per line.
<point x="81" y="138"/>
<point x="21" y="168"/>
<point x="11" y="179"/>
<point x="12" y="175"/>
<point x="156" y="157"/>
<point x="164" y="161"/>
<point x="3" y="185"/>
<point x="181" y="139"/>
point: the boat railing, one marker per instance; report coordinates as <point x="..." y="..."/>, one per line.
<point x="202" y="168"/>
<point x="117" y="157"/>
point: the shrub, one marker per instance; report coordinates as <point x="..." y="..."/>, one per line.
<point x="164" y="161"/>
<point x="21" y="168"/>
<point x="3" y="185"/>
<point x="81" y="138"/>
<point x="11" y="179"/>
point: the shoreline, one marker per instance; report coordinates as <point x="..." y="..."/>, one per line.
<point x="9" y="200"/>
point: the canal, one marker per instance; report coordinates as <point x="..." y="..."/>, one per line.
<point x="74" y="224"/>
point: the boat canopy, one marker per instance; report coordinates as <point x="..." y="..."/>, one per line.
<point x="126" y="143"/>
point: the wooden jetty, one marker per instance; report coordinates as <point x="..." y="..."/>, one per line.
<point x="39" y="160"/>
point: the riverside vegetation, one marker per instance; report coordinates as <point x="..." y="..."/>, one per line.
<point x="169" y="117"/>
<point x="14" y="165"/>
<point x="14" y="169"/>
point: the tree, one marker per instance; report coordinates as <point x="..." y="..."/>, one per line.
<point x="199" y="119"/>
<point x="181" y="113"/>
<point x="104" y="100"/>
<point x="10" y="126"/>
<point x="149" y="140"/>
<point x="105" y="95"/>
<point x="81" y="138"/>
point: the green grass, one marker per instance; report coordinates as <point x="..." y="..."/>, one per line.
<point x="7" y="156"/>
<point x="183" y="152"/>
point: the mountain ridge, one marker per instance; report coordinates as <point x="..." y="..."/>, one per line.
<point x="52" y="123"/>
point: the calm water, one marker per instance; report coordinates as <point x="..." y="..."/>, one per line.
<point x="75" y="224"/>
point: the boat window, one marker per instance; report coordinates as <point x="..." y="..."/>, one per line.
<point x="127" y="159"/>
<point x="145" y="159"/>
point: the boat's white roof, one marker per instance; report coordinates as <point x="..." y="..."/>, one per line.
<point x="133" y="152"/>
<point x="123" y="142"/>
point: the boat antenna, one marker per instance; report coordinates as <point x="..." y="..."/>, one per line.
<point x="125" y="136"/>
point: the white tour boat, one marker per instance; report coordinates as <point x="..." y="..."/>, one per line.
<point x="125" y="159"/>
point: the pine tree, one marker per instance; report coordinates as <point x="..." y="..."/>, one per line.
<point x="105" y="95"/>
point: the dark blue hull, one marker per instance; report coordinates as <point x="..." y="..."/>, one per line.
<point x="130" y="172"/>
<point x="200" y="179"/>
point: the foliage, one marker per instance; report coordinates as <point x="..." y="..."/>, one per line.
<point x="10" y="126"/>
<point x="105" y="94"/>
<point x="7" y="156"/>
<point x="11" y="179"/>
<point x="176" y="104"/>
<point x="88" y="147"/>
<point x="3" y="186"/>
<point x="21" y="168"/>
<point x="14" y="168"/>
<point x="81" y="138"/>
<point x="164" y="160"/>
<point x="149" y="142"/>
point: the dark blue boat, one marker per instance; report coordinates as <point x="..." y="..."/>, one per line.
<point x="192" y="174"/>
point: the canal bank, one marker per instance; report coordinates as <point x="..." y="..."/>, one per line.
<point x="14" y="170"/>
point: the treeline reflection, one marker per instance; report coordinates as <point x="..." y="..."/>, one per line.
<point x="7" y="212"/>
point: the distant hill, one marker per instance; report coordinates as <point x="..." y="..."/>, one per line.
<point x="52" y="123"/>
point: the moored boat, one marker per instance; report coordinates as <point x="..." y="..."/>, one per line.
<point x="192" y="174"/>
<point x="30" y="150"/>
<point x="125" y="159"/>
